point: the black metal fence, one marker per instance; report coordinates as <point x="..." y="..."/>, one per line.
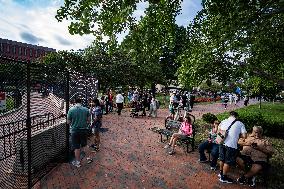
<point x="34" y="137"/>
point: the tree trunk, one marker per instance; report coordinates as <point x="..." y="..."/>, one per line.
<point x="153" y="89"/>
<point x="260" y="102"/>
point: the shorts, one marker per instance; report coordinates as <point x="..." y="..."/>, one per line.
<point x="96" y="126"/>
<point x="181" y="135"/>
<point x="249" y="162"/>
<point x="78" y="139"/>
<point x="228" y="155"/>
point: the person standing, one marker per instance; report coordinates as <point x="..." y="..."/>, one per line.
<point x="119" y="102"/>
<point x="153" y="108"/>
<point x="228" y="150"/>
<point x="79" y="118"/>
<point x="97" y="123"/>
<point x="246" y="101"/>
<point x="192" y="98"/>
<point x="110" y="99"/>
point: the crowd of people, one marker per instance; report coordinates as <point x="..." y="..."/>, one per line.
<point x="228" y="142"/>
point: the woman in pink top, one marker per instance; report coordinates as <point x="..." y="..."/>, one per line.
<point x="184" y="131"/>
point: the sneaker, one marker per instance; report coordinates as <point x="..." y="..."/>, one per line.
<point x="167" y="146"/>
<point x="89" y="160"/>
<point x="94" y="149"/>
<point x="93" y="146"/>
<point x="226" y="179"/>
<point x="220" y="174"/>
<point x="172" y="152"/>
<point x="76" y="163"/>
<point x="213" y="168"/>
<point x="242" y="180"/>
<point x="251" y="182"/>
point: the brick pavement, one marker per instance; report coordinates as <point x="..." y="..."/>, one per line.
<point x="131" y="156"/>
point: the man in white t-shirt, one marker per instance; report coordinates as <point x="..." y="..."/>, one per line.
<point x="229" y="149"/>
<point x="119" y="102"/>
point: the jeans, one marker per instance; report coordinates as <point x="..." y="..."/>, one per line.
<point x="214" y="152"/>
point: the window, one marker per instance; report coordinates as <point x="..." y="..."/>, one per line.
<point x="8" y="48"/>
<point x="25" y="51"/>
<point x="14" y="49"/>
<point x="31" y="52"/>
<point x="20" y="51"/>
<point x="1" y="47"/>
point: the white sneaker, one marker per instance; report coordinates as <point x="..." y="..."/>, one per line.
<point x="167" y="146"/>
<point x="76" y="163"/>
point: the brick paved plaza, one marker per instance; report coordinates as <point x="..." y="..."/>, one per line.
<point x="132" y="156"/>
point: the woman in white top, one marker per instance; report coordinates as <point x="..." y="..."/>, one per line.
<point x="119" y="102"/>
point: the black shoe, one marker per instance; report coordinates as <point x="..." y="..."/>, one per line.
<point x="226" y="179"/>
<point x="242" y="180"/>
<point x="251" y="182"/>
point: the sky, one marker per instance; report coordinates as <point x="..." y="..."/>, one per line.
<point x="33" y="22"/>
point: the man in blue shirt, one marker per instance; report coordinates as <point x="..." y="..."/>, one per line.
<point x="79" y="118"/>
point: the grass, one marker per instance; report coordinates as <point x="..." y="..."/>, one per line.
<point x="270" y="112"/>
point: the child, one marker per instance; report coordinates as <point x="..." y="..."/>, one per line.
<point x="184" y="131"/>
<point x="97" y="123"/>
<point x="172" y="111"/>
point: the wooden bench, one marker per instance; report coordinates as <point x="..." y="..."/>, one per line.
<point x="172" y="126"/>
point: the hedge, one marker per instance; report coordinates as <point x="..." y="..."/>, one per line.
<point x="270" y="117"/>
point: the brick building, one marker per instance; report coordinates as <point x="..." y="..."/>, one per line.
<point x="22" y="51"/>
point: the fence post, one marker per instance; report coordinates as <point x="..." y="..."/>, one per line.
<point x="67" y="100"/>
<point x="28" y="124"/>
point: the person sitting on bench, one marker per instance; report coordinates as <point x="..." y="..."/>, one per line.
<point x="255" y="153"/>
<point x="184" y="131"/>
<point x="211" y="145"/>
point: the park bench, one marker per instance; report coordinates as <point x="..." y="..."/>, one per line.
<point x="172" y="126"/>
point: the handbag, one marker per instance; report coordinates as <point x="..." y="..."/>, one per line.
<point x="222" y="137"/>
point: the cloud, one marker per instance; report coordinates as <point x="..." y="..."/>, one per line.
<point x="30" y="38"/>
<point x="188" y="12"/>
<point x="34" y="22"/>
<point x="63" y="41"/>
<point x="37" y="25"/>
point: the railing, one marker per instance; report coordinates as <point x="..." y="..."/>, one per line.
<point x="10" y="133"/>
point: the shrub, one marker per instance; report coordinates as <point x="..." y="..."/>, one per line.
<point x="209" y="118"/>
<point x="269" y="117"/>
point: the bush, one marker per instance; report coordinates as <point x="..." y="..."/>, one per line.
<point x="269" y="117"/>
<point x="209" y="118"/>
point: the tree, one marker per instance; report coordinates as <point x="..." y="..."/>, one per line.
<point x="107" y="17"/>
<point x="230" y="39"/>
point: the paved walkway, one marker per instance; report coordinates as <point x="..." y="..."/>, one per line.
<point x="132" y="156"/>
